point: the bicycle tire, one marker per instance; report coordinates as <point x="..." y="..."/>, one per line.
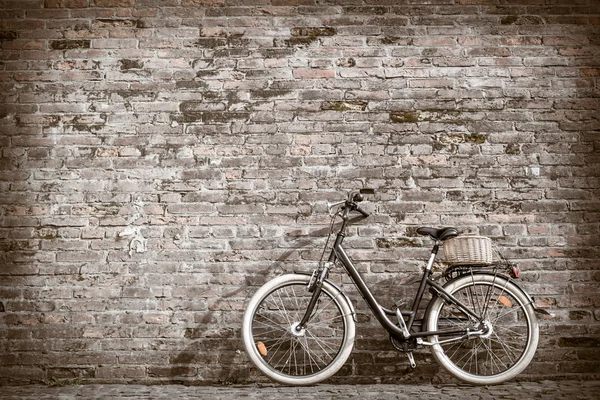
<point x="495" y="357"/>
<point x="305" y="358"/>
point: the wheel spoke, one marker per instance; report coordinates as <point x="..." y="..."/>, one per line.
<point x="274" y="352"/>
<point x="271" y="323"/>
<point x="511" y="350"/>
<point x="313" y="354"/>
<point x="321" y="343"/>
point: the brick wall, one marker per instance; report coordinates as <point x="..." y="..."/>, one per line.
<point x="163" y="158"/>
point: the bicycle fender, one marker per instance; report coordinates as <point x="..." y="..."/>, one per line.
<point x="336" y="287"/>
<point x="507" y="278"/>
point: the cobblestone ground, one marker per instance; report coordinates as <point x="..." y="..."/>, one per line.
<point x="522" y="390"/>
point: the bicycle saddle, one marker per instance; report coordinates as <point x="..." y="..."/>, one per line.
<point x="438" y="234"/>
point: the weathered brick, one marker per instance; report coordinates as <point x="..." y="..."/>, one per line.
<point x="70" y="44"/>
<point x="158" y="171"/>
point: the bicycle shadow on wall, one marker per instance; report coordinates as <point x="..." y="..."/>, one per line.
<point x="216" y="354"/>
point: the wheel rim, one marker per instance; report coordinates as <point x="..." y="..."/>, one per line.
<point x="286" y="350"/>
<point x="506" y="325"/>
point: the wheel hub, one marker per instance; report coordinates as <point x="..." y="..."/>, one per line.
<point x="298" y="332"/>
<point x="487" y="329"/>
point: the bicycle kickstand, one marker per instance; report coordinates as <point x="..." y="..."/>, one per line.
<point x="406" y="334"/>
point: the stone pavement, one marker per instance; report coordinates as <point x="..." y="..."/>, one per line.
<point x="514" y="390"/>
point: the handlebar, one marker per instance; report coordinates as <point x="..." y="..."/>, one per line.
<point x="354" y="197"/>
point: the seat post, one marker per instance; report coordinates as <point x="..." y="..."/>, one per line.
<point x="423" y="284"/>
<point x="434" y="252"/>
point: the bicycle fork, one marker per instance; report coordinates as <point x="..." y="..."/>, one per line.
<point x="314" y="285"/>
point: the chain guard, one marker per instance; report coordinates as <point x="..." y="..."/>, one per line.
<point x="404" y="346"/>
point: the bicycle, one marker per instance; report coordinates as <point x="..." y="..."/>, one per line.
<point x="299" y="329"/>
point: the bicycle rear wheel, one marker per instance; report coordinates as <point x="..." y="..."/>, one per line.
<point x="508" y="320"/>
<point x="281" y="352"/>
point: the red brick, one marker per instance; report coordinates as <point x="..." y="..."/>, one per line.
<point x="309" y="73"/>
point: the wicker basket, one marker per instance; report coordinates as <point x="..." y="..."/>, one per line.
<point x="468" y="250"/>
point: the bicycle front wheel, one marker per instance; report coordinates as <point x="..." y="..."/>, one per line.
<point x="508" y="330"/>
<point x="295" y="357"/>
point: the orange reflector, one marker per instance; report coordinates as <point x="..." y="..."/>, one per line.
<point x="262" y="349"/>
<point x="505" y="301"/>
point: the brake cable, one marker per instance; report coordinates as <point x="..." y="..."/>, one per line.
<point x="328" y="237"/>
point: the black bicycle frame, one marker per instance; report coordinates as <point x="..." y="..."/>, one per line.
<point x="381" y="313"/>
